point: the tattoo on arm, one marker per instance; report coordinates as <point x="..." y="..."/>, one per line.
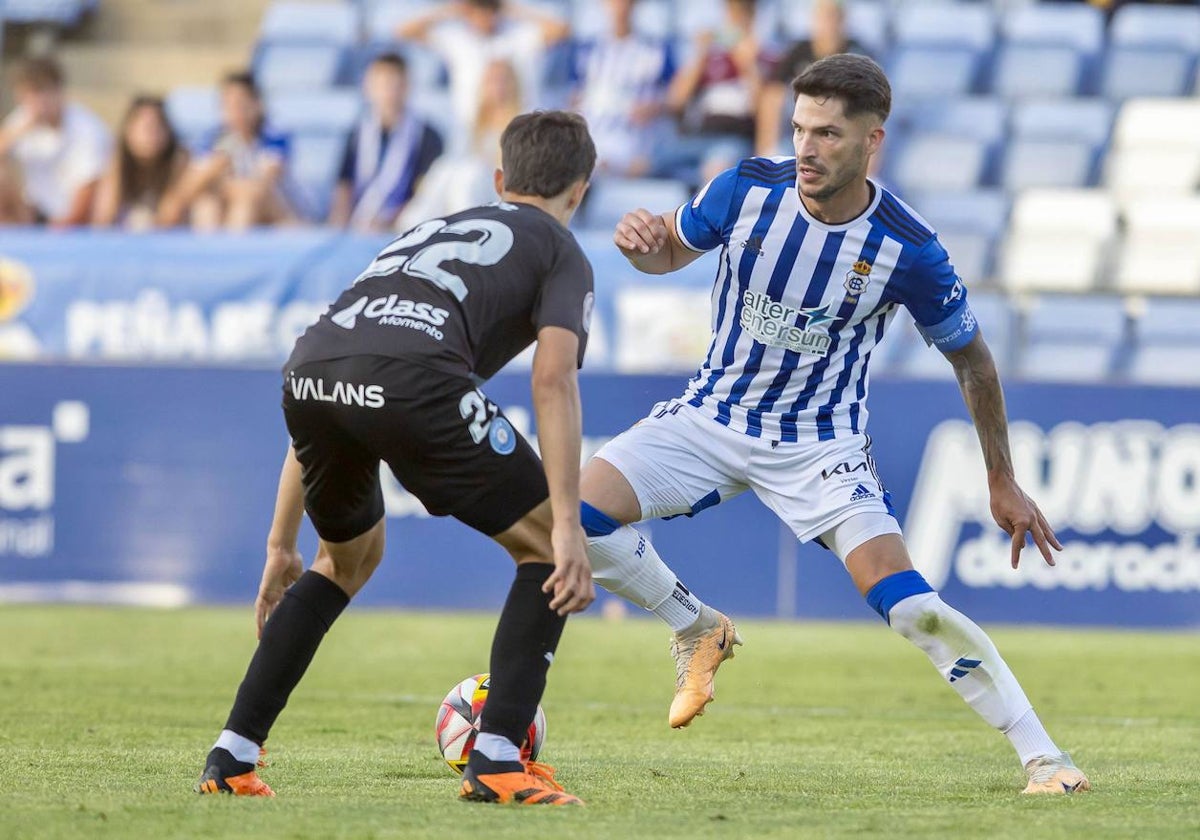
<point x="980" y="384"/>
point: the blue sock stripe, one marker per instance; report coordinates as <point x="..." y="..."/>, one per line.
<point x="895" y="588"/>
<point x="596" y="523"/>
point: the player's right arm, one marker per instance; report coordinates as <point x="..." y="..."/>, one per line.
<point x="660" y="244"/>
<point x="559" y="413"/>
<point x="284" y="564"/>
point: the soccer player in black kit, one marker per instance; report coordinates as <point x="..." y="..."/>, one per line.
<point x="391" y="373"/>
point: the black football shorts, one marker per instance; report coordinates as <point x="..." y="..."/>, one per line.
<point x="447" y="443"/>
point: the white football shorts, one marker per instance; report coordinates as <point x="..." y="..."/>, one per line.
<point x="680" y="462"/>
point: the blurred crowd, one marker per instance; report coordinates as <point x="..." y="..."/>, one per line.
<point x="653" y="113"/>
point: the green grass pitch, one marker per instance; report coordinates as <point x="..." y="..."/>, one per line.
<point x="819" y="730"/>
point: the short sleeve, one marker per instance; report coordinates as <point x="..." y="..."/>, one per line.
<point x="701" y="222"/>
<point x="937" y="299"/>
<point x="567" y="296"/>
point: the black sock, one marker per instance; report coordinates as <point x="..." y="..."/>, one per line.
<point x="289" y="641"/>
<point x="522" y="650"/>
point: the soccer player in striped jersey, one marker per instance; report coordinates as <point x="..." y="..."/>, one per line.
<point x="815" y="260"/>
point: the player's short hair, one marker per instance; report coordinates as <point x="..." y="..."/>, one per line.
<point x="544" y="152"/>
<point x="39" y="73"/>
<point x="393" y="60"/>
<point x="242" y="79"/>
<point x="855" y="79"/>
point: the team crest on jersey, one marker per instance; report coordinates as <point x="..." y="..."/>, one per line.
<point x="857" y="279"/>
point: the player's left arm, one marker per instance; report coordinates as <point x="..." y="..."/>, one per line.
<point x="937" y="298"/>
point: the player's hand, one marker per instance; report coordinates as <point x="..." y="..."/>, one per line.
<point x="1017" y="514"/>
<point x="571" y="580"/>
<point x="282" y="569"/>
<point x="640" y="232"/>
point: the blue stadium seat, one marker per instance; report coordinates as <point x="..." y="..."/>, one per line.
<point x="946" y="24"/>
<point x="979" y="117"/>
<point x="611" y="198"/>
<point x="313" y="169"/>
<point x="310" y="23"/>
<point x="59" y="12"/>
<point x="1069" y="338"/>
<point x="866" y="21"/>
<point x="334" y="109"/>
<point x="1047" y="163"/>
<point x="1078" y="26"/>
<point x="1167" y="344"/>
<point x="976" y="211"/>
<point x="932" y="71"/>
<point x="1146" y="71"/>
<point x="287" y="66"/>
<point x="383" y="16"/>
<point x="1140" y="25"/>
<point x="194" y="111"/>
<point x="931" y="162"/>
<point x="972" y="253"/>
<point x="1023" y="70"/>
<point x="1089" y="120"/>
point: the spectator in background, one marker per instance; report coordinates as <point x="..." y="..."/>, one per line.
<point x="715" y="97"/>
<point x="387" y="154"/>
<point x="60" y="146"/>
<point x="13" y="209"/>
<point x="141" y="189"/>
<point x="827" y="36"/>
<point x="471" y="34"/>
<point x="622" y="81"/>
<point x="465" y="178"/>
<point x="238" y="182"/>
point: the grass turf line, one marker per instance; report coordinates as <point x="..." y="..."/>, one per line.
<point x="819" y="730"/>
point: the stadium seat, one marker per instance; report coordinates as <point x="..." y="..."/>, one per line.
<point x="932" y="71"/>
<point x="1088" y="120"/>
<point x="1133" y="172"/>
<point x="313" y="169"/>
<point x="58" y="12"/>
<point x="1046" y="163"/>
<point x="611" y="198"/>
<point x="1143" y="25"/>
<point x="979" y="117"/>
<point x="866" y="21"/>
<point x="333" y="109"/>
<point x="1146" y="71"/>
<point x="1070" y="338"/>
<point x="945" y="24"/>
<point x="1079" y="27"/>
<point x="1161" y="251"/>
<point x="1023" y="70"/>
<point x="1158" y="122"/>
<point x="286" y="66"/>
<point x="938" y="163"/>
<point x="1058" y="240"/>
<point x="1091" y="213"/>
<point x="310" y="23"/>
<point x="1167" y="345"/>
<point x="976" y="211"/>
<point x="970" y="253"/>
<point x="194" y="112"/>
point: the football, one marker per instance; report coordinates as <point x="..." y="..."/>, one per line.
<point x="458" y="723"/>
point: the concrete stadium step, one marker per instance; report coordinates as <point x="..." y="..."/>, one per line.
<point x="183" y="22"/>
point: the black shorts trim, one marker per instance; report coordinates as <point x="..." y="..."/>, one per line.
<point x="443" y="439"/>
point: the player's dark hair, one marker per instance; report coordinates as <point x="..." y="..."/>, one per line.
<point x="855" y="79"/>
<point x="242" y="79"/>
<point x="544" y="152"/>
<point x="393" y="60"/>
<point x="39" y="73"/>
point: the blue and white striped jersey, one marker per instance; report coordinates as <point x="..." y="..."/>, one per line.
<point x="798" y="305"/>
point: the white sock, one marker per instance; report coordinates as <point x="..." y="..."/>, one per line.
<point x="625" y="563"/>
<point x="243" y="749"/>
<point x="497" y="747"/>
<point x="965" y="656"/>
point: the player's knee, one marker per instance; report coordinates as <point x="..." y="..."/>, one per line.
<point x="894" y="590"/>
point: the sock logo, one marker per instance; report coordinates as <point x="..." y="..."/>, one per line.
<point x="860" y="493"/>
<point x="963" y="667"/>
<point x="682" y="596"/>
<point x="641" y="549"/>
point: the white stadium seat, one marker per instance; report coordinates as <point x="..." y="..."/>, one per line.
<point x="1063" y="119"/>
<point x="939" y="163"/>
<point x="1046" y="163"/>
<point x="310" y="23"/>
<point x="1138" y="25"/>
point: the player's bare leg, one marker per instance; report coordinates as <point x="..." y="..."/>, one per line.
<point x="295" y="624"/>
<point x="625" y="563"/>
<point x="523" y="649"/>
<point x="963" y="654"/>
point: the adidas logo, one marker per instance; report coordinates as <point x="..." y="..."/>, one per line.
<point x="754" y="245"/>
<point x="963" y="667"/>
<point x="860" y="493"/>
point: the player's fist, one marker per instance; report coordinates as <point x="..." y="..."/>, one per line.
<point x="640" y="232"/>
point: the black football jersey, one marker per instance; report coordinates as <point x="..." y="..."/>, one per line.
<point x="463" y="294"/>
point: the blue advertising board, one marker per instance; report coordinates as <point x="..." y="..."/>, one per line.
<point x="156" y="485"/>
